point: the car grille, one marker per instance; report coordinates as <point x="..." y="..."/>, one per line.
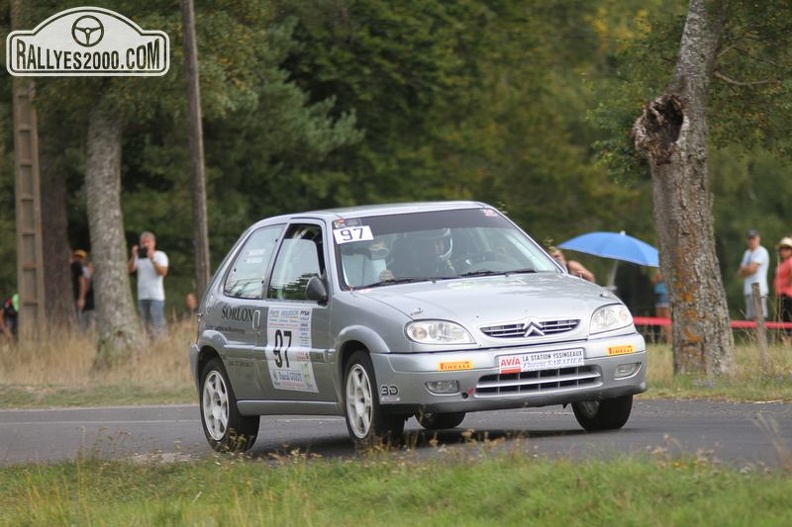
<point x="530" y="329"/>
<point x="536" y="381"/>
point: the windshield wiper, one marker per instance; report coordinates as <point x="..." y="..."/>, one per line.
<point x="521" y="271"/>
<point x="487" y="272"/>
<point x="483" y="272"/>
<point x="394" y="281"/>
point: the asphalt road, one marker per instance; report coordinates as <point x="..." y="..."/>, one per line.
<point x="745" y="436"/>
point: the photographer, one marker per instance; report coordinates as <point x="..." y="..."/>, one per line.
<point x="151" y="266"/>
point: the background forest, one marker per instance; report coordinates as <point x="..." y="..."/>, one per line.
<point x="310" y="104"/>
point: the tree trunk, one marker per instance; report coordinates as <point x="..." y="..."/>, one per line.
<point x="117" y="321"/>
<point x="672" y="133"/>
<point x="59" y="296"/>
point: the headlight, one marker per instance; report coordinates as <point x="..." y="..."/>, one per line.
<point x="437" y="332"/>
<point x="610" y="317"/>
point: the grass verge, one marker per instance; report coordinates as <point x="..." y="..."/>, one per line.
<point x="502" y="489"/>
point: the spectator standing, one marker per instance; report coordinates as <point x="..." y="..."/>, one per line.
<point x="190" y="306"/>
<point x="662" y="304"/>
<point x="753" y="269"/>
<point x="9" y="317"/>
<point x="82" y="282"/>
<point x="151" y="267"/>
<point x="573" y="267"/>
<point x="782" y="284"/>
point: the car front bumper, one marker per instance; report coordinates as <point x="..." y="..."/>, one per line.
<point x="477" y="380"/>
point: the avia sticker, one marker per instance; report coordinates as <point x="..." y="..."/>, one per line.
<point x="509" y="364"/>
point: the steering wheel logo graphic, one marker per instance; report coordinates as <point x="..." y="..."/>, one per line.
<point x="87" y="31"/>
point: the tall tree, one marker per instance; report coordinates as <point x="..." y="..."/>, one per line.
<point x="58" y="288"/>
<point x="117" y="322"/>
<point x="672" y="134"/>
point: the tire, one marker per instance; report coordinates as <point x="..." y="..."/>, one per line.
<point x="432" y="421"/>
<point x="607" y="414"/>
<point x="225" y="429"/>
<point x="367" y="424"/>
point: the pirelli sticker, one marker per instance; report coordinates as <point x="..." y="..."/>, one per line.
<point x="457" y="365"/>
<point x="621" y="350"/>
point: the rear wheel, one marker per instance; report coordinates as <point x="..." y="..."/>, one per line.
<point x="368" y="425"/>
<point x="432" y="421"/>
<point x="607" y="414"/>
<point x="225" y="429"/>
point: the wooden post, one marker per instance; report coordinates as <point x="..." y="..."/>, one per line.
<point x="195" y="141"/>
<point x="761" y="330"/>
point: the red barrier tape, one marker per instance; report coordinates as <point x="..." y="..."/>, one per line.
<point x="738" y="324"/>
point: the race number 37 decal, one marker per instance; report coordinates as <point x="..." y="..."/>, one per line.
<point x="289" y="349"/>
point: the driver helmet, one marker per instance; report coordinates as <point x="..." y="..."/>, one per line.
<point x="437" y="242"/>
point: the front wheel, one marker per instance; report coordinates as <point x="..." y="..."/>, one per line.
<point x="607" y="414"/>
<point x="225" y="429"/>
<point x="368" y="425"/>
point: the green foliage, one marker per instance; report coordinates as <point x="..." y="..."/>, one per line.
<point x="263" y="136"/>
<point x="465" y="100"/>
<point x="527" y="105"/>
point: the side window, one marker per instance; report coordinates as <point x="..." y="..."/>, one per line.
<point x="299" y="259"/>
<point x="248" y="273"/>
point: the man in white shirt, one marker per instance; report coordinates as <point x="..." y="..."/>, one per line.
<point x="753" y="269"/>
<point x="151" y="266"/>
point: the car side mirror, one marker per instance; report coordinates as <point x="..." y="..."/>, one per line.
<point x="316" y="290"/>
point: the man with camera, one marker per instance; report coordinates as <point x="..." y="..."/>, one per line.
<point x="151" y="266"/>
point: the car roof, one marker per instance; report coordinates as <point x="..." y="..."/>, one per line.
<point x="382" y="209"/>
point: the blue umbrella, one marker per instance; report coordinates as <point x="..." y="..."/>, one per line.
<point x="616" y="246"/>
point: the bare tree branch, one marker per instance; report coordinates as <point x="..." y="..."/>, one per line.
<point x="728" y="80"/>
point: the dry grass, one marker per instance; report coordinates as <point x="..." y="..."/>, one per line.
<point x="747" y="382"/>
<point x="747" y="362"/>
<point x="63" y="365"/>
<point x="58" y="371"/>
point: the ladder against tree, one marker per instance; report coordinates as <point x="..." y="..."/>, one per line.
<point x="30" y="261"/>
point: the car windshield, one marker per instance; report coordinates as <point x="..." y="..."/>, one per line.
<point x="382" y="250"/>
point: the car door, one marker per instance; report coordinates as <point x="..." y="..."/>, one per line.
<point x="298" y="349"/>
<point x="241" y="309"/>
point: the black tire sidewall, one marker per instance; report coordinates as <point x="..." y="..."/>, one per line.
<point x="241" y="431"/>
<point x="384" y="428"/>
<point x="611" y="414"/>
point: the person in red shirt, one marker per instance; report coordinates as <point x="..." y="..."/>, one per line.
<point x="782" y="283"/>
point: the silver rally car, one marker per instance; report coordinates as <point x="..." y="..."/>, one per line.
<point x="381" y="313"/>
